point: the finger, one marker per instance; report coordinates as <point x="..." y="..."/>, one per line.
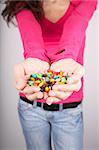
<point x="19" y="71"/>
<point x="50" y="100"/>
<point x="27" y="76"/>
<point x="77" y="74"/>
<point x="20" y="84"/>
<point x="45" y="95"/>
<point x="34" y="96"/>
<point x="59" y="94"/>
<point x="30" y="89"/>
<point x="68" y="87"/>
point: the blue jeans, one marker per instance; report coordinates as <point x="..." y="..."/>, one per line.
<point x="51" y="130"/>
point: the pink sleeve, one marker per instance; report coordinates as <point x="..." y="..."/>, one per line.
<point x="31" y="35"/>
<point x="74" y="30"/>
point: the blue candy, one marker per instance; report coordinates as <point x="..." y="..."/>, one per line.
<point x="34" y="75"/>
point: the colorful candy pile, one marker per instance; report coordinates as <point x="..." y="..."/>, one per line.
<point x="46" y="81"/>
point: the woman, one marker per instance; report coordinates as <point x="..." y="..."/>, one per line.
<point x="53" y="36"/>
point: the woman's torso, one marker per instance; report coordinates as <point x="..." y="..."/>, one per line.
<point x="51" y="33"/>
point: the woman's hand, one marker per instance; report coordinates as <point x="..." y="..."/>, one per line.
<point x="75" y="71"/>
<point x="20" y="79"/>
<point x="35" y="65"/>
<point x="23" y="70"/>
<point x="32" y="92"/>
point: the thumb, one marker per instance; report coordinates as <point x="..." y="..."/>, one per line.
<point x="20" y="84"/>
<point x="19" y="76"/>
<point x="78" y="74"/>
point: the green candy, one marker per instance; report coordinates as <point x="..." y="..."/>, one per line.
<point x="30" y="83"/>
<point x="67" y="77"/>
<point x="39" y="75"/>
<point x="63" y="80"/>
<point x="47" y="79"/>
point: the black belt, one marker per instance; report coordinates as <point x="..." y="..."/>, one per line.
<point x="52" y="107"/>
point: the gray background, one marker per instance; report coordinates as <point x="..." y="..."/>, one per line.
<point x="11" y="137"/>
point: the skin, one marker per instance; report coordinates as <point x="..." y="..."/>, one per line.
<point x="24" y="69"/>
<point x="76" y="72"/>
<point x="58" y="92"/>
<point x="55" y="9"/>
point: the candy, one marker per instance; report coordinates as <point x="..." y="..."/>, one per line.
<point x="30" y="83"/>
<point x="48" y="75"/>
<point x="37" y="81"/>
<point x="67" y="77"/>
<point x="47" y="89"/>
<point x="61" y="73"/>
<point x="34" y="75"/>
<point x="54" y="73"/>
<point x="56" y="77"/>
<point x="63" y="79"/>
<point x="42" y="83"/>
<point x="44" y="75"/>
<point x="33" y="79"/>
<point x="52" y="80"/>
<point x="39" y="76"/>
<point x="60" y="82"/>
<point x="35" y="84"/>
<point x="47" y="80"/>
<point x="50" y="71"/>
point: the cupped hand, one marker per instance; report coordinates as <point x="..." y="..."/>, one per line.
<point x="32" y="92"/>
<point x="75" y="71"/>
<point x="22" y="72"/>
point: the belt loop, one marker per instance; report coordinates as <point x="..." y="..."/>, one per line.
<point x="60" y="107"/>
<point x="41" y="105"/>
<point x="35" y="104"/>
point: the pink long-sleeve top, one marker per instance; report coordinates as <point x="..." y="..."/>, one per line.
<point x="44" y="39"/>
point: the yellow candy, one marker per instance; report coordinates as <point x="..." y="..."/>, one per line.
<point x="42" y="83"/>
<point x="61" y="73"/>
<point x="37" y="81"/>
<point x="32" y="79"/>
<point x="52" y="80"/>
<point x="60" y="82"/>
<point x="47" y="89"/>
<point x="49" y="72"/>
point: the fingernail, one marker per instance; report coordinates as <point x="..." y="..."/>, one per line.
<point x="49" y="102"/>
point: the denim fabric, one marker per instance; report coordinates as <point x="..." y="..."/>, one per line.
<point x="51" y="130"/>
